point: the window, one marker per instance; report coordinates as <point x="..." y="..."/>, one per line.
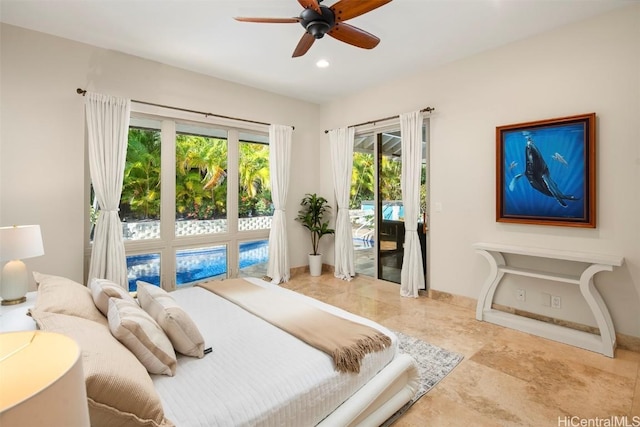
<point x="194" y="265"/>
<point x="140" y="200"/>
<point x="253" y="258"/>
<point x="254" y="190"/>
<point x="196" y="202"/>
<point x="201" y="180"/>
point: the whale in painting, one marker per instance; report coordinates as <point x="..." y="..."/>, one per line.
<point x="537" y="173"/>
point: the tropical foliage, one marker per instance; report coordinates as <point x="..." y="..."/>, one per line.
<point x="255" y="186"/>
<point x="201" y="189"/>
<point x="201" y="177"/>
<point x="363" y="180"/>
<point x="141" y="189"/>
<point x="390" y="173"/>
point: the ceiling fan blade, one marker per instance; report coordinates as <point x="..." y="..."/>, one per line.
<point x="268" y="20"/>
<point x="313" y="4"/>
<point x="347" y="9"/>
<point x="354" y="36"/>
<point x="303" y="45"/>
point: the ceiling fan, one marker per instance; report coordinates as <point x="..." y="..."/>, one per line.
<point x="319" y="20"/>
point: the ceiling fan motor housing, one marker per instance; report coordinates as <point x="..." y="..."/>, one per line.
<point x="317" y="24"/>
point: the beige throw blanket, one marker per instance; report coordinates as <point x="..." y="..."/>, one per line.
<point x="347" y="342"/>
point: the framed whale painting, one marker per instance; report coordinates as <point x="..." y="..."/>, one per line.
<point x="545" y="172"/>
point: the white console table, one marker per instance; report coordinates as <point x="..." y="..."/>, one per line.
<point x="604" y="343"/>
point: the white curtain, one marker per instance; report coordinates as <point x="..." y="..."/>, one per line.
<point x="412" y="275"/>
<point x="107" y="129"/>
<point x="279" y="162"/>
<point x="341" y="143"/>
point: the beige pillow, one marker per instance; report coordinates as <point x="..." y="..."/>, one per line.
<point x="102" y="290"/>
<point x="134" y="328"/>
<point x="119" y="389"/>
<point x="173" y="320"/>
<point x="61" y="295"/>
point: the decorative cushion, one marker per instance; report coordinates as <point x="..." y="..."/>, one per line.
<point x="119" y="389"/>
<point x="102" y="290"/>
<point x="173" y="320"/>
<point x="61" y="295"/>
<point x="134" y="328"/>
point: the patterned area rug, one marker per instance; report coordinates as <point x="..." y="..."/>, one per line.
<point x="434" y="363"/>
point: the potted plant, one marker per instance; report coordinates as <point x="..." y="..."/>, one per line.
<point x="312" y="218"/>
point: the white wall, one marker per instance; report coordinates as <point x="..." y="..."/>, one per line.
<point x="592" y="66"/>
<point x="42" y="151"/>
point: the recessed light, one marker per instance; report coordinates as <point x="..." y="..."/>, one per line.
<point x="323" y="63"/>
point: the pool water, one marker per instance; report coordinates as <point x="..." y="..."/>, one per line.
<point x="193" y="265"/>
<point x="363" y="243"/>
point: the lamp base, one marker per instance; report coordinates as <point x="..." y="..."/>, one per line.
<point x="13" y="286"/>
<point x="13" y="301"/>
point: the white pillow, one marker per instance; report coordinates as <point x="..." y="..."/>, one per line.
<point x="119" y="389"/>
<point x="173" y="320"/>
<point x="61" y="295"/>
<point x="134" y="328"/>
<point x="102" y="290"/>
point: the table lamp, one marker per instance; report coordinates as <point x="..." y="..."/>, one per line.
<point x="16" y="243"/>
<point x="42" y="381"/>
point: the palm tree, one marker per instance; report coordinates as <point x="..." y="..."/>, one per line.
<point x="201" y="164"/>
<point x="362" y="179"/>
<point x="254" y="179"/>
<point x="141" y="187"/>
<point x="390" y="172"/>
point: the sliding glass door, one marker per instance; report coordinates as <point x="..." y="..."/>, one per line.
<point x="390" y="218"/>
<point x="362" y="204"/>
<point x="376" y="206"/>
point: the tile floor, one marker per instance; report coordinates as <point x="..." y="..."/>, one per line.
<point x="507" y="378"/>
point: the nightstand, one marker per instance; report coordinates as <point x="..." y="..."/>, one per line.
<point x="14" y="317"/>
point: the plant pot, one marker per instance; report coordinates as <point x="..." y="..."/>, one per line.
<point x="315" y="265"/>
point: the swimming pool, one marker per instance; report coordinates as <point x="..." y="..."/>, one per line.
<point x="193" y="265"/>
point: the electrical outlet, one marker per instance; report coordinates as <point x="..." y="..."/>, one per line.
<point x="521" y="295"/>
<point x="545" y="299"/>
<point x="556" y="301"/>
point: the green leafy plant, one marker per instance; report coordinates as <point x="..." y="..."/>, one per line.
<point x="312" y="218"/>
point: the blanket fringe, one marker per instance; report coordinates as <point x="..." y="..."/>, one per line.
<point x="348" y="359"/>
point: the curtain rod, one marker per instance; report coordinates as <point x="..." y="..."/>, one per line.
<point x="426" y="109"/>
<point x="84" y="92"/>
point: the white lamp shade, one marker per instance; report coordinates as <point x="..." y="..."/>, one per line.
<point x="42" y="381"/>
<point x="20" y="242"/>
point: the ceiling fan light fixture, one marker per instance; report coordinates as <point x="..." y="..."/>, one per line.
<point x="318" y="20"/>
<point x="322" y="63"/>
<point x="318" y="28"/>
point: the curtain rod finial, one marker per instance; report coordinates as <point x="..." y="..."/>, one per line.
<point x="81" y="92"/>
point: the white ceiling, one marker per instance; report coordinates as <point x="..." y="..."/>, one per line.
<point x="202" y="36"/>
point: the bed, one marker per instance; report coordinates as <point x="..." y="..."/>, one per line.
<point x="255" y="374"/>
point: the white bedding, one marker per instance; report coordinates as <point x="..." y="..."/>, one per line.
<point x="258" y="375"/>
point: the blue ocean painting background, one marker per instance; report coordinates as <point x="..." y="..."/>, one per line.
<point x="563" y="150"/>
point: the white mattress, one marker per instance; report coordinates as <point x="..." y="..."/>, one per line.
<point x="257" y="375"/>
